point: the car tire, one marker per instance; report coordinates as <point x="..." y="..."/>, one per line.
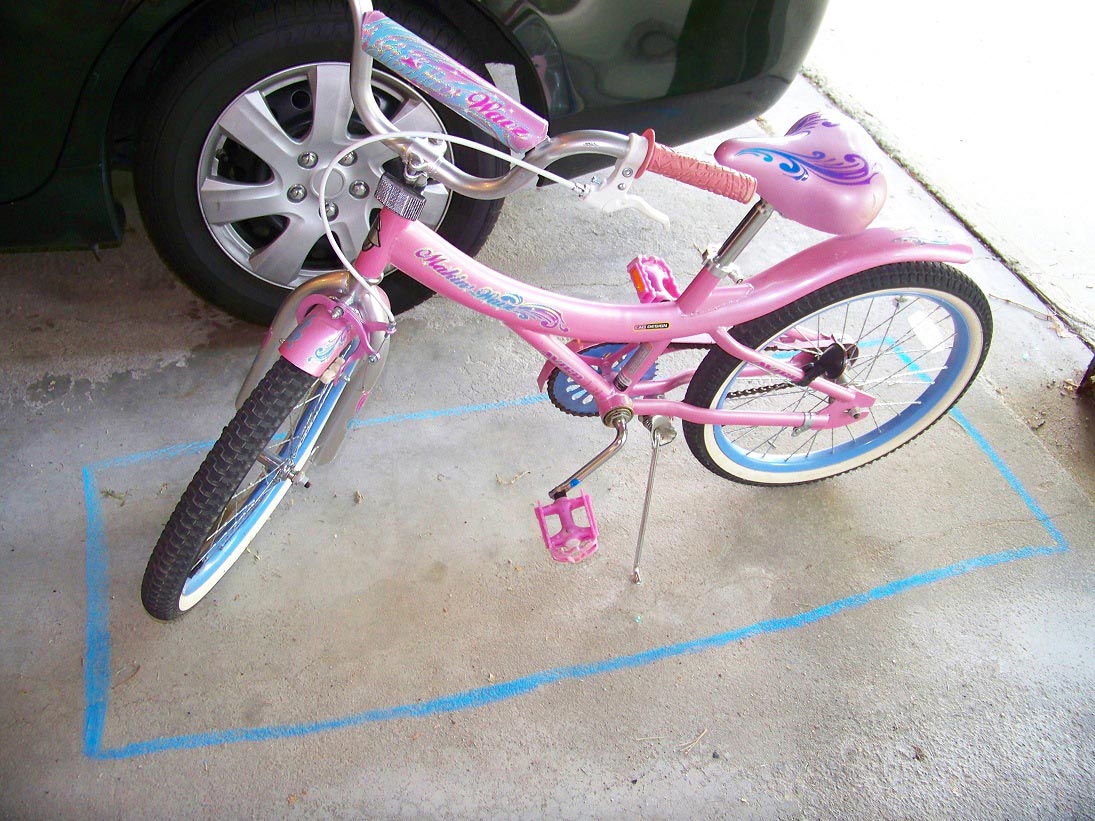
<point x="221" y="160"/>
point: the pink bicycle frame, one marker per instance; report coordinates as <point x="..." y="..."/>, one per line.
<point x="704" y="312"/>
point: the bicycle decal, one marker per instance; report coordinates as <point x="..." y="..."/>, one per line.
<point x="509" y="302"/>
<point x="852" y="169"/>
<point x="298" y="333"/>
<point x="808" y="123"/>
<point x="323" y="352"/>
<point x="452" y="83"/>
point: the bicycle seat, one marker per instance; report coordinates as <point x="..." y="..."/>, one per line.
<point x="824" y="173"/>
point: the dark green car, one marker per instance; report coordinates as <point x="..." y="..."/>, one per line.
<point x="205" y="100"/>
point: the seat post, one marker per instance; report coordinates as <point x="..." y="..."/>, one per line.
<point x="719" y="265"/>
<point x="741" y="236"/>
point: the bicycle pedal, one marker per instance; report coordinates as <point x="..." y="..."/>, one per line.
<point x="653" y="280"/>
<point x="572" y="542"/>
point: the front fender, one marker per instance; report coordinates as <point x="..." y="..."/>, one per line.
<point x="316" y="342"/>
<point x="361" y="374"/>
<point x="335" y="284"/>
<point x="842" y="256"/>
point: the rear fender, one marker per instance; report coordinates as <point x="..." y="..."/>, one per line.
<point x="840" y="257"/>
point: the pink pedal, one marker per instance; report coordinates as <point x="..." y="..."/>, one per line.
<point x="572" y="542"/>
<point x="653" y="280"/>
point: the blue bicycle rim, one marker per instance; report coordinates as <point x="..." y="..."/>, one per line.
<point x="855" y="448"/>
<point x="268" y="491"/>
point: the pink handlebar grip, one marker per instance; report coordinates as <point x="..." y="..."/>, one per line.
<point x="710" y="177"/>
<point x="446" y="80"/>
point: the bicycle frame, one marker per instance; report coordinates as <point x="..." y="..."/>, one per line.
<point x="334" y="330"/>
<point x="703" y="314"/>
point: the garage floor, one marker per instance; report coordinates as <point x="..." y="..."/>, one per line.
<point x="912" y="639"/>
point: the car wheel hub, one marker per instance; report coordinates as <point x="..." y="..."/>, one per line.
<point x="261" y="165"/>
<point x="336" y="183"/>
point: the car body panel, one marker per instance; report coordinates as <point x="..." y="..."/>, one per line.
<point x="55" y="63"/>
<point x="62" y="197"/>
<point x="677" y="67"/>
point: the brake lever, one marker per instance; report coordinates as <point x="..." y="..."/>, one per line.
<point x="612" y="194"/>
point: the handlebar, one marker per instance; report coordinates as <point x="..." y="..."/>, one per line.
<point x="454" y="178"/>
<point x="481" y="103"/>
<point x="718" y="179"/>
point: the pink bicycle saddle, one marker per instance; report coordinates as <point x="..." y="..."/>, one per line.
<point x="824" y="173"/>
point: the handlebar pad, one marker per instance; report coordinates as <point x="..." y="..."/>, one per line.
<point x="443" y="78"/>
<point x="710" y="177"/>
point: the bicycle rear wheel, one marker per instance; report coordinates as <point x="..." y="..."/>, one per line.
<point x="914" y="335"/>
<point x="249" y="470"/>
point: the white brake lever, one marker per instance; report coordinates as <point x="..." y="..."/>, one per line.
<point x="612" y="194"/>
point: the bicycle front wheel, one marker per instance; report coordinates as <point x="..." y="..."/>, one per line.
<point x="249" y="470"/>
<point x="913" y="335"/>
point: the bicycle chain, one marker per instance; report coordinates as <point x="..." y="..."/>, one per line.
<point x="759" y="390"/>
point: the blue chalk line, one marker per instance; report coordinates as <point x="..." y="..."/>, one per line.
<point x="97" y="673"/>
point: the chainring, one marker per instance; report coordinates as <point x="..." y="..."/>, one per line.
<point x="570" y="397"/>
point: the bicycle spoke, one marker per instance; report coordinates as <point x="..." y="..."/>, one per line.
<point x="808" y="444"/>
<point x="776" y="432"/>
<point x="898" y="355"/>
<point x="231" y="524"/>
<point x="884" y="336"/>
<point x="275" y="463"/>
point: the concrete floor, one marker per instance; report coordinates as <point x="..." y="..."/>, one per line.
<point x="914" y="639"/>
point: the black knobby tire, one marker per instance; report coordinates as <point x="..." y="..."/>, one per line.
<point x="184" y="537"/>
<point x="914" y="334"/>
<point x="217" y="55"/>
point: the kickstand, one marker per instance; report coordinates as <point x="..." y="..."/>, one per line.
<point x="662" y="433"/>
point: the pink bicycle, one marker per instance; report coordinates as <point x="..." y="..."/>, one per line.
<point x="816" y="366"/>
